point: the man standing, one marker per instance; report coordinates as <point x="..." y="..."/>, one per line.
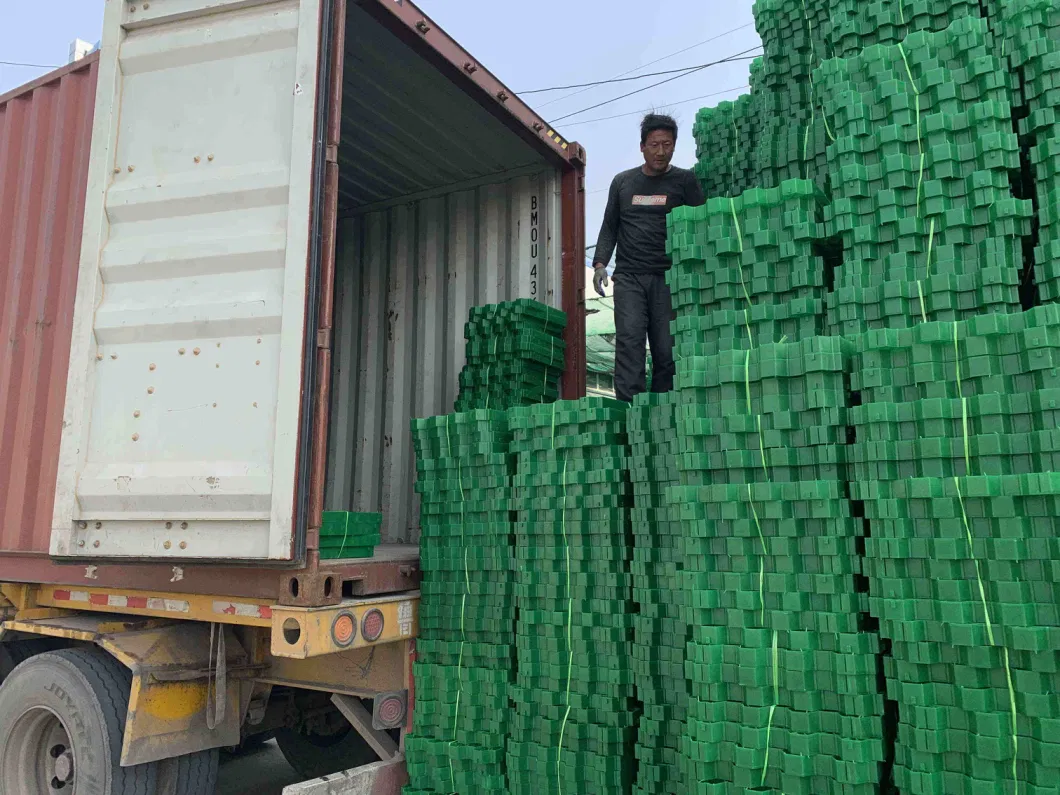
<point x="635" y="221"/>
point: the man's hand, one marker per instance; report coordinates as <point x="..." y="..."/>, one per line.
<point x="600" y="280"/>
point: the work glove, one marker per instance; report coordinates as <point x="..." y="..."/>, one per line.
<point x="600" y="280"/>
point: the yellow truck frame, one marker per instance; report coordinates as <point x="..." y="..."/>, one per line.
<point x="204" y="667"/>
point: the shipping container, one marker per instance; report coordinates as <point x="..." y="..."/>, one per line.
<point x="237" y="250"/>
<point x="238" y="246"/>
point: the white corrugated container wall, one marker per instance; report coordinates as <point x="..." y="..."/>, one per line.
<point x="406" y="275"/>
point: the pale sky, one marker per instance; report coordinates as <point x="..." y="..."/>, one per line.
<point x="528" y="46"/>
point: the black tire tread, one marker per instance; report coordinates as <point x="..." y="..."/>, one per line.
<point x="191" y="774"/>
<point x="312" y="762"/>
<point x="110" y="681"/>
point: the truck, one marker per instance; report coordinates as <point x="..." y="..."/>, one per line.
<point x="238" y="245"/>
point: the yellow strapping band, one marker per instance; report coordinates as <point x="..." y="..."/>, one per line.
<point x="762" y="446"/>
<point x="570" y="633"/>
<point x="975" y="560"/>
<point x="747" y="379"/>
<point x="1015" y="733"/>
<point x="772" y="709"/>
<point x="743" y="284"/>
<point x="765" y="552"/>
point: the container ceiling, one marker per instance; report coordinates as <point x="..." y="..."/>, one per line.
<point x="406" y="128"/>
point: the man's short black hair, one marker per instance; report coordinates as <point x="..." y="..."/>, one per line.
<point x="657" y="121"/>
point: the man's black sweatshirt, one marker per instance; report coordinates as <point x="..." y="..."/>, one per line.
<point x="635" y="218"/>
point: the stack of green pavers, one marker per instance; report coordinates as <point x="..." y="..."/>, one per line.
<point x="747" y="269"/>
<point x="660" y="630"/>
<point x="467" y="610"/>
<point x="783" y="683"/>
<point x="344" y="534"/>
<point x="957" y="464"/>
<point x="792" y="133"/>
<point x="1030" y="33"/>
<point x="515" y="355"/>
<point x="574" y="724"/>
<point x="725" y="145"/>
<point x="920" y="179"/>
<point x="857" y="24"/>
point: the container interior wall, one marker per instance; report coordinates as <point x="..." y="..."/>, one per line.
<point x="441" y="208"/>
<point x="406" y="277"/>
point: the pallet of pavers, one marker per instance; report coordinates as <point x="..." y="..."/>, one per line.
<point x="857" y="25"/>
<point x="345" y="534"/>
<point x="921" y="181"/>
<point x="515" y="355"/>
<point x="747" y="270"/>
<point x="782" y="670"/>
<point x="956" y="464"/>
<point x="660" y="629"/>
<point x="465" y="650"/>
<point x="574" y="723"/>
<point x="1029" y="34"/>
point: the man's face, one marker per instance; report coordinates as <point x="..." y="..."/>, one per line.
<point x="658" y="150"/>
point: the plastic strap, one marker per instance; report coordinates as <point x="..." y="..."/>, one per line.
<point x="919" y="141"/>
<point x="957" y="360"/>
<point x="923" y="156"/>
<point x="919" y="285"/>
<point x="1015" y="715"/>
<point x="908" y="71"/>
<point x="493" y="357"/>
<point x="827" y="129"/>
<point x="551" y="356"/>
<point x="762" y="446"/>
<point x="570" y="631"/>
<point x="975" y="560"/>
<point x="931" y="244"/>
<point x="735" y="150"/>
<point x="765" y="552"/>
<point x="345" y="534"/>
<point x="739" y="235"/>
<point x="739" y="240"/>
<point x="463" y="609"/>
<point x="747" y="379"/>
<point x="813" y="86"/>
<point x="964" y="404"/>
<point x="772" y="709"/>
<point x="739" y="270"/>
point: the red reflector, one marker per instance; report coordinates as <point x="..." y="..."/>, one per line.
<point x="391" y="711"/>
<point x="343" y="629"/>
<point x="372" y="625"/>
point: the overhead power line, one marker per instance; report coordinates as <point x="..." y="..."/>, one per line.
<point x="28" y="65"/>
<point x="657" y="60"/>
<point x="616" y="80"/>
<point x="740" y="56"/>
<point x="664" y="104"/>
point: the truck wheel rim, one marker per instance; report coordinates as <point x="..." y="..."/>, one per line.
<point x="40" y="754"/>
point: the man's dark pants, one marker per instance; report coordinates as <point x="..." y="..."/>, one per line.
<point x="642" y="309"/>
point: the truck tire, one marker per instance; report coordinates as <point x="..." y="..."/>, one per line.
<point x="62" y="719"/>
<point x="191" y="774"/>
<point x="316" y="755"/>
<point x="250" y="744"/>
<point x="18" y="651"/>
